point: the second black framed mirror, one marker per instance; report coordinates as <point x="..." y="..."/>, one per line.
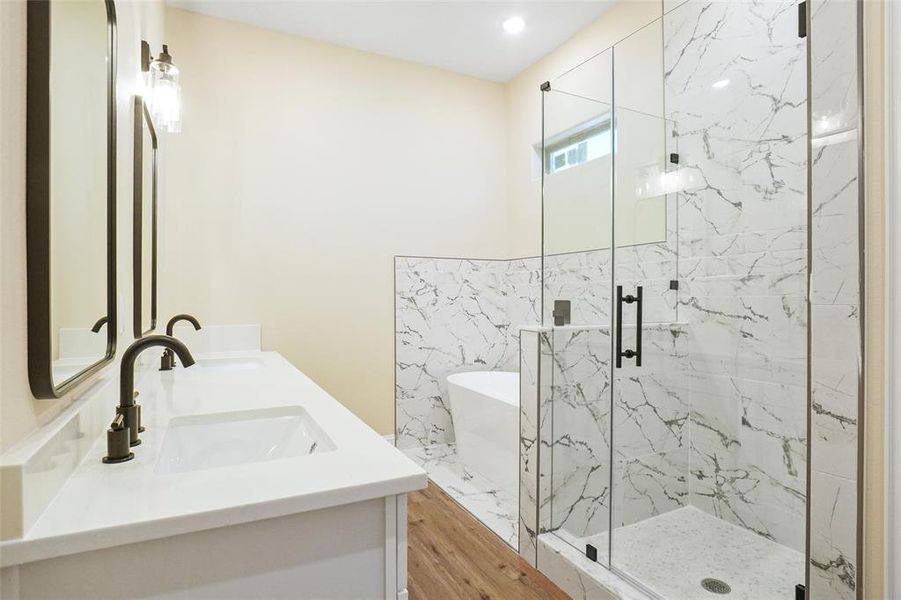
<point x="144" y="236"/>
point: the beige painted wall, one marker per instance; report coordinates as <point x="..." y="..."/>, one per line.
<point x="301" y="170"/>
<point x="288" y="211"/>
<point x="292" y="209"/>
<point x="20" y="413"/>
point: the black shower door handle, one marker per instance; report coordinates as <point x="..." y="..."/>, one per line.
<point x="628" y="299"/>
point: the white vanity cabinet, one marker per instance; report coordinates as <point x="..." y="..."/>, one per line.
<point x="355" y="551"/>
<point x="180" y="521"/>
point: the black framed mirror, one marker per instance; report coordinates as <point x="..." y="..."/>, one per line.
<point x="144" y="236"/>
<point x="70" y="192"/>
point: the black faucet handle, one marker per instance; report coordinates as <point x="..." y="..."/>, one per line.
<point x="118" y="449"/>
<point x="141" y="428"/>
<point x="131" y="415"/>
<point x="167" y="360"/>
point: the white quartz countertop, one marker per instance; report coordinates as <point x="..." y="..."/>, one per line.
<point x="103" y="505"/>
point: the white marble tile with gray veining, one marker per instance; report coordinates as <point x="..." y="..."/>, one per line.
<point x="835" y="235"/>
<point x="835" y="372"/>
<point x="580" y="442"/>
<point x="529" y="380"/>
<point x="451" y="315"/>
<point x="648" y="486"/>
<point x="833" y="537"/>
<point x="835" y="295"/>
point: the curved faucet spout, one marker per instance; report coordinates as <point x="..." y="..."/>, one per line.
<point x="130" y="413"/>
<point x="127" y="371"/>
<point x="183" y="317"/>
<point x="100" y="323"/>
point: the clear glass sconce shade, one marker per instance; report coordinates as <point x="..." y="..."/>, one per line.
<point x="164" y="93"/>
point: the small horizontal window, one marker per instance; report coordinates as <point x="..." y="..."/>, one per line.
<point x="577" y="146"/>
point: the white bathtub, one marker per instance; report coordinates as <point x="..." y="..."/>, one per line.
<point x="485" y="414"/>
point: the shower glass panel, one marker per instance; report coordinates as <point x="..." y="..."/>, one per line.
<point x="710" y="431"/>
<point x="651" y="399"/>
<point x="678" y="434"/>
<point x="577" y="232"/>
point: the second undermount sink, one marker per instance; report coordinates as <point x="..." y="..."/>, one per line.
<point x="210" y="441"/>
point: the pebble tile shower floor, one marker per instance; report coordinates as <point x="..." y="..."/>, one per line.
<point x="674" y="552"/>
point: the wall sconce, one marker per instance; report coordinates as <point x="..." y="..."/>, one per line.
<point x="163" y="92"/>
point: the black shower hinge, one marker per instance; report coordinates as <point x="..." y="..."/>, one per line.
<point x="591" y="552"/>
<point x="800" y="592"/>
<point x="674" y="158"/>
<point x="802" y="19"/>
<point x="546" y="86"/>
<point x="674" y="284"/>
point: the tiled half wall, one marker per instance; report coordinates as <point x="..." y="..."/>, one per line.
<point x="454" y="315"/>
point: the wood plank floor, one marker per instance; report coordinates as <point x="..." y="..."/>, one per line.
<point x="453" y="556"/>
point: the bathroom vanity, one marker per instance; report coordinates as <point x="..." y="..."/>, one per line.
<point x="250" y="481"/>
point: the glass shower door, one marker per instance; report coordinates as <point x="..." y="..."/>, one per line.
<point x="577" y="153"/>
<point x="650" y="397"/>
<point x="709" y="401"/>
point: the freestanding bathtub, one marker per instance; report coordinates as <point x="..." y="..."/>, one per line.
<point x="485" y="414"/>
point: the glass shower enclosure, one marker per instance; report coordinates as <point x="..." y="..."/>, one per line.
<point x="674" y="201"/>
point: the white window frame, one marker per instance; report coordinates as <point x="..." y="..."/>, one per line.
<point x="578" y="133"/>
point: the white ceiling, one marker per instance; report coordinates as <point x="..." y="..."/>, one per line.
<point x="462" y="36"/>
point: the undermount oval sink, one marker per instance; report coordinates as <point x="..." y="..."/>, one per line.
<point x="196" y="442"/>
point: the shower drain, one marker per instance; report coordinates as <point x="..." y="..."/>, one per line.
<point x="715" y="586"/>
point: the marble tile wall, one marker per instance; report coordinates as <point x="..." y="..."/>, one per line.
<point x="716" y="417"/>
<point x="580" y="442"/>
<point x="835" y="361"/>
<point x="454" y="315"/>
<point x="534" y="380"/>
<point x="583" y="278"/>
<point x="743" y="257"/>
<point x="650" y="411"/>
<point x="721" y="423"/>
<point x="529" y="382"/>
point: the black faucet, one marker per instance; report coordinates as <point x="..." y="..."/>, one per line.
<point x="124" y="430"/>
<point x="168" y="359"/>
<point x="100" y="323"/>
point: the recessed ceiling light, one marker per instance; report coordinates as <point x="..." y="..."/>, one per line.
<point x="721" y="84"/>
<point x="514" y="25"/>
